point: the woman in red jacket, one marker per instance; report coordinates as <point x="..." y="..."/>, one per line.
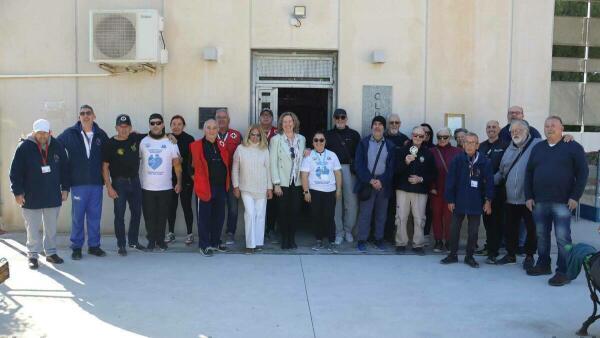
<point x="443" y="153"/>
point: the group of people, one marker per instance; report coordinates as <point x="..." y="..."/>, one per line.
<point x="362" y="189"/>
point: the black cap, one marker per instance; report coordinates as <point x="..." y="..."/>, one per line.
<point x="266" y="110"/>
<point x="123" y="119"/>
<point x="339" y="112"/>
<point x="378" y="118"/>
<point x="156" y="116"/>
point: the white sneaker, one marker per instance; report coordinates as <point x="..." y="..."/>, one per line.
<point x="349" y="237"/>
<point x="230" y="239"/>
<point x="339" y="239"/>
<point x="189" y="239"/>
<point x="170" y="237"/>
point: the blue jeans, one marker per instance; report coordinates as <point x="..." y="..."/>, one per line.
<point x="232" y="212"/>
<point x="376" y="205"/>
<point x="86" y="208"/>
<point x="210" y="218"/>
<point x="544" y="215"/>
<point x="129" y="191"/>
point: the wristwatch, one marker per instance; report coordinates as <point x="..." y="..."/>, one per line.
<point x="306" y="192"/>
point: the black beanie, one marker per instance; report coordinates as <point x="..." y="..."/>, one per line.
<point x="156" y="116"/>
<point x="380" y="119"/>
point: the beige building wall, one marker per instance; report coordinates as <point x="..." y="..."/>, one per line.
<point x="469" y="56"/>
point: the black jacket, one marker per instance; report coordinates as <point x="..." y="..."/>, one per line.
<point x="493" y="152"/>
<point x="183" y="143"/>
<point x="343" y="143"/>
<point x="423" y="166"/>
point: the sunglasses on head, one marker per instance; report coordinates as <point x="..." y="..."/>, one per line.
<point x="443" y="137"/>
<point x="292" y="153"/>
<point x="318" y="140"/>
<point x="418" y="135"/>
<point x="156" y="123"/>
<point x="340" y="117"/>
<point x="85" y="112"/>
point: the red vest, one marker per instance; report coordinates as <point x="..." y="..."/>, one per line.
<point x="272" y="132"/>
<point x="201" y="180"/>
<point x="232" y="140"/>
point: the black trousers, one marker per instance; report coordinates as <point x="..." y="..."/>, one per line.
<point x="473" y="223"/>
<point x="186" y="204"/>
<point x="493" y="224"/>
<point x="155" y="205"/>
<point x="289" y="205"/>
<point x="514" y="214"/>
<point x="322" y="213"/>
<point x="271" y="216"/>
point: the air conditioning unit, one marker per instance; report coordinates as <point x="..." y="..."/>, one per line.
<point x="126" y="36"/>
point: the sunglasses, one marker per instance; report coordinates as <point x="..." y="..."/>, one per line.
<point x="443" y="137"/>
<point x="255" y="134"/>
<point x="340" y="117"/>
<point x="85" y="112"/>
<point x="394" y="122"/>
<point x="418" y="135"/>
<point x="318" y="140"/>
<point x="157" y="123"/>
<point x="292" y="153"/>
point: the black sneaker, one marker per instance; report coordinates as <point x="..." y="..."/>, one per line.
<point x="419" y="251"/>
<point x="32" y="263"/>
<point x="54" y="259"/>
<point x="400" y="249"/>
<point x="539" y="270"/>
<point x="450" y="259"/>
<point x="221" y="248"/>
<point x="528" y="262"/>
<point x="470" y="261"/>
<point x="491" y="260"/>
<point x="151" y="246"/>
<point x="76" y="255"/>
<point x="206" y="252"/>
<point x="137" y="246"/>
<point x="506" y="260"/>
<point x="482" y="252"/>
<point x="520" y="251"/>
<point x="162" y="246"/>
<point x="439" y="246"/>
<point x="559" y="279"/>
<point x="122" y="251"/>
<point x="96" y="251"/>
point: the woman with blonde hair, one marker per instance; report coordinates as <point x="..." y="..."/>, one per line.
<point x="286" y="151"/>
<point x="251" y="177"/>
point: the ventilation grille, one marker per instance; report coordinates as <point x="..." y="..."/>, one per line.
<point x="295" y="69"/>
<point x="114" y="36"/>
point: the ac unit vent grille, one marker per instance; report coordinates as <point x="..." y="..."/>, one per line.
<point x="296" y="69"/>
<point x="114" y="36"/>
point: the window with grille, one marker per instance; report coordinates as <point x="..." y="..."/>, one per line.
<point x="295" y="69"/>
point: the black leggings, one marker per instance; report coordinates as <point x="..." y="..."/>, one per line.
<point x="289" y="211"/>
<point x="186" y="204"/>
<point x="322" y="212"/>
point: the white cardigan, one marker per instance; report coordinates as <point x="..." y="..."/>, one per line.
<point x="250" y="171"/>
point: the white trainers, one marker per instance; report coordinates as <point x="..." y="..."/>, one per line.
<point x="170" y="237"/>
<point x="189" y="239"/>
<point x="349" y="237"/>
<point x="339" y="239"/>
<point x="229" y="239"/>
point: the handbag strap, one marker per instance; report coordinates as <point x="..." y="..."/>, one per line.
<point x="518" y="157"/>
<point x="442" y="158"/>
<point x="377" y="157"/>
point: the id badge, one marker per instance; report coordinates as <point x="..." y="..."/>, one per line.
<point x="474" y="184"/>
<point x="46" y="169"/>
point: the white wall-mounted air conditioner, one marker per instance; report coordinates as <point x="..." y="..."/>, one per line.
<point x="125" y="36"/>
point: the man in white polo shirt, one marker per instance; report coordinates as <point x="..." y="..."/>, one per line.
<point x="158" y="156"/>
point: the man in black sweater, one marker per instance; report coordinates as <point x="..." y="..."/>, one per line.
<point x="343" y="140"/>
<point x="516" y="113"/>
<point x="415" y="168"/>
<point x="554" y="182"/>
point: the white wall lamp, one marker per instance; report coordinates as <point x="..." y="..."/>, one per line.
<point x="211" y="53"/>
<point x="378" y="56"/>
<point x="299" y="13"/>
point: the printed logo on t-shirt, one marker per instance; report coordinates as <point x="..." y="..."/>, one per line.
<point x="154" y="161"/>
<point x="133" y="147"/>
<point x="120" y="151"/>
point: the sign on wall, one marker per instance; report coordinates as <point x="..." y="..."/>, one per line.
<point x="377" y="100"/>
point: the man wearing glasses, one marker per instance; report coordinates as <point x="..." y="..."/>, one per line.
<point x="415" y="168"/>
<point x="83" y="143"/>
<point x="343" y="140"/>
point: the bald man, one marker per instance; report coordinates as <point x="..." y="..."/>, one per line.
<point x="516" y="113"/>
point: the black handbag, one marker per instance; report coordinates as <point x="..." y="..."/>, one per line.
<point x="364" y="193"/>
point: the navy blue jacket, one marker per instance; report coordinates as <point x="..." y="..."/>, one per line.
<point x="423" y="166"/>
<point x="363" y="173"/>
<point x="469" y="200"/>
<point x="556" y="174"/>
<point x="26" y="177"/>
<point x="84" y="170"/>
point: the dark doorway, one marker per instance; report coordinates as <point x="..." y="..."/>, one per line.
<point x="309" y="104"/>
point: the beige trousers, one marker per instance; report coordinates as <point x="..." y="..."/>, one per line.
<point x="405" y="203"/>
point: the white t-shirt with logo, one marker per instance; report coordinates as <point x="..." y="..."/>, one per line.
<point x="157" y="163"/>
<point x="321" y="169"/>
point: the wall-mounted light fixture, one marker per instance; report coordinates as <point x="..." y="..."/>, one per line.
<point x="211" y="53"/>
<point x="378" y="56"/>
<point x="299" y="13"/>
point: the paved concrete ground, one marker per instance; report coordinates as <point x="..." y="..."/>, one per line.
<point x="181" y="294"/>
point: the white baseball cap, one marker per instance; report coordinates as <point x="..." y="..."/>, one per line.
<point x="41" y="125"/>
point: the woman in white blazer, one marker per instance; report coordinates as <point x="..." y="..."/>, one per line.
<point x="251" y="178"/>
<point x="286" y="150"/>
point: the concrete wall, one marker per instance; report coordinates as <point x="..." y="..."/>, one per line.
<point x="468" y="56"/>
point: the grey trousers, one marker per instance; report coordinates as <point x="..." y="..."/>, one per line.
<point x="346" y="207"/>
<point x="34" y="218"/>
<point x="373" y="208"/>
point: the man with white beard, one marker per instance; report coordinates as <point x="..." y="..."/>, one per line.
<point x="512" y="172"/>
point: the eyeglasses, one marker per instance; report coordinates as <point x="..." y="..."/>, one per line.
<point x="394" y="122"/>
<point x="418" y="135"/>
<point x="340" y="117"/>
<point x="156" y="123"/>
<point x="85" y="112"/>
<point x="255" y="134"/>
<point x="318" y="140"/>
<point x="443" y="137"/>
